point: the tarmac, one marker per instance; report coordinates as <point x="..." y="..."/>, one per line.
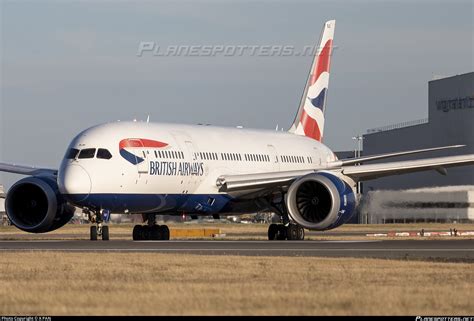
<point x="444" y="250"/>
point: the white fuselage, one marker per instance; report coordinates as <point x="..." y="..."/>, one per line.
<point x="172" y="168"/>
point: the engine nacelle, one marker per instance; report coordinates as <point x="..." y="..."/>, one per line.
<point x="34" y="204"/>
<point x="320" y="201"/>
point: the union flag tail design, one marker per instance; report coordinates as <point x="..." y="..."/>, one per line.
<point x="309" y="120"/>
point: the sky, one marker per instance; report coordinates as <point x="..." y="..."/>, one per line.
<point x="68" y="65"/>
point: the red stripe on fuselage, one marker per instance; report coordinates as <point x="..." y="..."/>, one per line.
<point x="322" y="63"/>
<point x="310" y="126"/>
<point x="141" y="142"/>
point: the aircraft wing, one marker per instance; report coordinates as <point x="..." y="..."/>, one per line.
<point x="27" y="170"/>
<point x="372" y="171"/>
<point x="229" y="183"/>
<point x="352" y="161"/>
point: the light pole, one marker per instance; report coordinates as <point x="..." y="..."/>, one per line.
<point x="357" y="154"/>
<point x="358" y="150"/>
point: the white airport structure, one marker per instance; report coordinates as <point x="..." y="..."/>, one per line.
<point x="436" y="204"/>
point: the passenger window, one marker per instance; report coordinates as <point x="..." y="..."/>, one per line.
<point x="71" y="153"/>
<point x="103" y="154"/>
<point x="87" y="153"/>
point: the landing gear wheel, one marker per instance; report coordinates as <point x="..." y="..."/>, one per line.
<point x="94" y="233"/>
<point x="281" y="232"/>
<point x="105" y="233"/>
<point x="272" y="232"/>
<point x="165" y="232"/>
<point x="292" y="232"/>
<point x="145" y="233"/>
<point x="300" y="233"/>
<point x="137" y="233"/>
<point x="155" y="232"/>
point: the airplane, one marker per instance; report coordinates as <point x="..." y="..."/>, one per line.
<point x="134" y="167"/>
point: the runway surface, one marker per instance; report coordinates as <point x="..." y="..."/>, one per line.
<point x="456" y="250"/>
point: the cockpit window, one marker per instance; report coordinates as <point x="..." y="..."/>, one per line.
<point x="103" y="153"/>
<point x="72" y="153"/>
<point x="87" y="153"/>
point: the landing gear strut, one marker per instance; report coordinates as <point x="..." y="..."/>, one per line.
<point x="151" y="231"/>
<point x="99" y="229"/>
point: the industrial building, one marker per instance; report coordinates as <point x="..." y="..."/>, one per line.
<point x="426" y="196"/>
<point x="450" y="122"/>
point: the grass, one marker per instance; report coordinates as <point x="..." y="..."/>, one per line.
<point x="52" y="283"/>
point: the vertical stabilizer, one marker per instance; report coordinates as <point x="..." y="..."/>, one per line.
<point x="309" y="120"/>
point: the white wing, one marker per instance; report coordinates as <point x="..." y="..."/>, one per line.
<point x="367" y="172"/>
<point x="231" y="183"/>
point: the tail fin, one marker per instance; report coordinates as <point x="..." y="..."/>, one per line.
<point x="309" y="120"/>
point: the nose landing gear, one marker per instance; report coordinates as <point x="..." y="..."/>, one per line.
<point x="151" y="231"/>
<point x="99" y="229"/>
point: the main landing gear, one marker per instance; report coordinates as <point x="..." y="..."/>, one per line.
<point x="151" y="231"/>
<point x="285" y="232"/>
<point x="99" y="229"/>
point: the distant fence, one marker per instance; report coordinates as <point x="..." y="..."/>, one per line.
<point x="397" y="126"/>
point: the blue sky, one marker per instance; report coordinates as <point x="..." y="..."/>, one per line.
<point x="68" y="65"/>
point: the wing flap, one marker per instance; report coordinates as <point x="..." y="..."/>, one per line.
<point x="230" y="183"/>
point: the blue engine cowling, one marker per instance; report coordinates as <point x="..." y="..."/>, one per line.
<point x="34" y="204"/>
<point x="320" y="201"/>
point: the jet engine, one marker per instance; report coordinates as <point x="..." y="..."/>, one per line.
<point x="321" y="201"/>
<point x="34" y="204"/>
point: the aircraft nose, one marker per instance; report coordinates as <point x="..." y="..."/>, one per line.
<point x="75" y="183"/>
